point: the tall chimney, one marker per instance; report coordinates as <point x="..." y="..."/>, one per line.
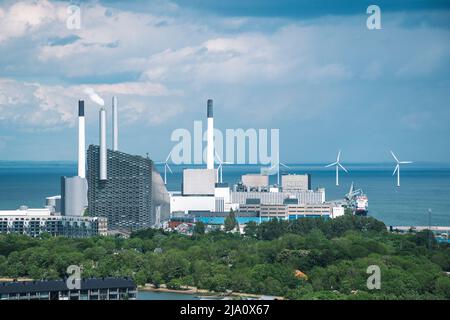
<point x="81" y="141"/>
<point x="210" y="136"/>
<point x="115" y="130"/>
<point x="103" y="151"/>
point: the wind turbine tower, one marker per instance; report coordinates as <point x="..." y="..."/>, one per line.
<point x="397" y="168"/>
<point x="337" y="164"/>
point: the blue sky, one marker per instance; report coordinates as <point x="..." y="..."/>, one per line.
<point x="310" y="68"/>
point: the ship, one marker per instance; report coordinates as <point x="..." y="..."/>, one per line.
<point x="357" y="201"/>
<point x="361" y="205"/>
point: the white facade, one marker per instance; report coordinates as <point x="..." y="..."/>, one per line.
<point x="223" y="192"/>
<point x="34" y="222"/>
<point x="255" y="180"/>
<point x="295" y="182"/>
<point x="304" y="197"/>
<point x="179" y="203"/>
<point x="337" y="212"/>
<point x="198" y="182"/>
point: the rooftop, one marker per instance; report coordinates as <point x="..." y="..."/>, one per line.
<point x="60" y="285"/>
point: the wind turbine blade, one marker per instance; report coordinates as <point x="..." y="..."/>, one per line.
<point x="217" y="156"/>
<point x="394" y="156"/>
<point x="342" y="167"/>
<point x="283" y="165"/>
<point x="168" y="167"/>
<point x="331" y="164"/>
<point x="339" y="156"/>
<point x="404" y="162"/>
<point x="395" y="170"/>
<point x="168" y="156"/>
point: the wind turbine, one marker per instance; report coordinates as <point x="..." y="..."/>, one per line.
<point x="166" y="166"/>
<point x="337" y="164"/>
<point x="220" y="167"/>
<point x="274" y="169"/>
<point x="397" y="168"/>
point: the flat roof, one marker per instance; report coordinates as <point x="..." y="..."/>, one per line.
<point x="60" y="285"/>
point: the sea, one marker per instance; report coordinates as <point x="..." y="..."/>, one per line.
<point x="422" y="198"/>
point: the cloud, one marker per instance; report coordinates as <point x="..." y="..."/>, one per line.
<point x="27" y="17"/>
<point x="32" y="106"/>
<point x="163" y="61"/>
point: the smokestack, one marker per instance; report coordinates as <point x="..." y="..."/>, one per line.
<point x="210" y="136"/>
<point x="103" y="151"/>
<point x="81" y="141"/>
<point x="115" y="131"/>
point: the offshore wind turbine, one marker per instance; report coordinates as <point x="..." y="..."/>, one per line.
<point x="397" y="168"/>
<point x="220" y="167"/>
<point x="166" y="166"/>
<point x="274" y="169"/>
<point x="337" y="164"/>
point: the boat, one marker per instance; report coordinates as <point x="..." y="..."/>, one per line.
<point x="361" y="205"/>
<point x="357" y="201"/>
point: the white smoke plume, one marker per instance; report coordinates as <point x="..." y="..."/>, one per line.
<point x="94" y="96"/>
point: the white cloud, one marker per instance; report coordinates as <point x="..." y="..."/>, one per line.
<point x="27" y="17"/>
<point x="165" y="65"/>
<point x="33" y="106"/>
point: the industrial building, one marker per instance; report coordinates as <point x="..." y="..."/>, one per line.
<point x="199" y="182"/>
<point x="291" y="210"/>
<point x="126" y="189"/>
<point x="295" y="182"/>
<point x="34" y="222"/>
<point x="305" y="197"/>
<point x="90" y="289"/>
<point x="74" y="189"/>
<point x="131" y="194"/>
<point x="255" y="182"/>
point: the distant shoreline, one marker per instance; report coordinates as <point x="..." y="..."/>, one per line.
<point x="203" y="292"/>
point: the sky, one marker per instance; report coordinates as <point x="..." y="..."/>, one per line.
<point x="311" y="69"/>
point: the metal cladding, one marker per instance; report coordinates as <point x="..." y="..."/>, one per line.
<point x="209" y="110"/>
<point x="103" y="148"/>
<point x="115" y="130"/>
<point x="81" y="141"/>
<point x="133" y="197"/>
<point x="73" y="196"/>
<point x="210" y="136"/>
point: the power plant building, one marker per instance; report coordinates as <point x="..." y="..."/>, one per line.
<point x="199" y="182"/>
<point x="296" y="182"/>
<point x="303" y="197"/>
<point x="133" y="195"/>
<point x="73" y="196"/>
<point x="255" y="181"/>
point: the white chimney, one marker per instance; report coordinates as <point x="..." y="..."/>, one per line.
<point x="115" y="130"/>
<point x="210" y="136"/>
<point x="81" y="141"/>
<point x="103" y="149"/>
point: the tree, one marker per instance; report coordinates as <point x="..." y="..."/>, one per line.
<point x="199" y="228"/>
<point x="251" y="229"/>
<point x="230" y="221"/>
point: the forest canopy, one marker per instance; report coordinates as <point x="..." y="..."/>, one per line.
<point x="332" y="255"/>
